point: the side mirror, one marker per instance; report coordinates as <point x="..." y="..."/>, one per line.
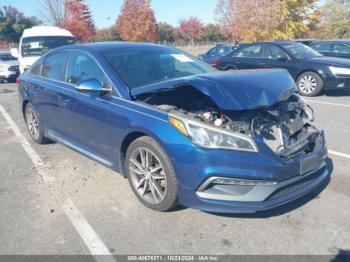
<point x="91" y="85"/>
<point x="14" y="52"/>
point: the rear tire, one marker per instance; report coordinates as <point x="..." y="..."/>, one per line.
<point x="34" y="126"/>
<point x="309" y="84"/>
<point x="151" y="174"/>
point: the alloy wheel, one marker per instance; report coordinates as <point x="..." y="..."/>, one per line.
<point x="32" y="123"/>
<point x="307" y="84"/>
<point x="147" y="175"/>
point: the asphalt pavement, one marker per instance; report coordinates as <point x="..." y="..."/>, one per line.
<point x="55" y="201"/>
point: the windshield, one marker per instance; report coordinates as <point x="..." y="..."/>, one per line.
<point x="6" y="57"/>
<point x="39" y="45"/>
<point x="300" y="51"/>
<point x="143" y="66"/>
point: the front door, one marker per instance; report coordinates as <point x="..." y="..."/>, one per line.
<point x="87" y="116"/>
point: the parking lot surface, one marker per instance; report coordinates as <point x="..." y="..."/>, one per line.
<point x="55" y="201"/>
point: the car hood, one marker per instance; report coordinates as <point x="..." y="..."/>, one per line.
<point x="330" y="61"/>
<point x="9" y="63"/>
<point x="237" y="90"/>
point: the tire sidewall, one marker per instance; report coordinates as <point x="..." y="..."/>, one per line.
<point x="41" y="138"/>
<point x="170" y="198"/>
<point x="319" y="82"/>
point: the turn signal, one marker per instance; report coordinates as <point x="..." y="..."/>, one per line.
<point x="178" y="125"/>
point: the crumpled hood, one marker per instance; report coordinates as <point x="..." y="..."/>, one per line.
<point x="236" y="90"/>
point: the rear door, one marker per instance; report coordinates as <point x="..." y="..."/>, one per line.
<point x="341" y="50"/>
<point x="46" y="93"/>
<point x="249" y="57"/>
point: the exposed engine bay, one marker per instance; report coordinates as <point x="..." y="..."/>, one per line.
<point x="285" y="126"/>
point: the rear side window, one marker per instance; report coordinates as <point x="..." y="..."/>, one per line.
<point x="322" y="47"/>
<point x="250" y="51"/>
<point x="53" y="66"/>
<point x="82" y="67"/>
<point x="339" y="48"/>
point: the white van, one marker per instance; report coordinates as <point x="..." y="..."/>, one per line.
<point x="38" y="40"/>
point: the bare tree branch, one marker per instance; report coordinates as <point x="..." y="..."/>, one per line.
<point x="53" y="12"/>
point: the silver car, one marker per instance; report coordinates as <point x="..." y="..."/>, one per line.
<point x="9" y="67"/>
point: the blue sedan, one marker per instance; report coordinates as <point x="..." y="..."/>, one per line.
<point x="180" y="131"/>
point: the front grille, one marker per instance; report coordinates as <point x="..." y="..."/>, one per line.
<point x="13" y="68"/>
<point x="295" y="186"/>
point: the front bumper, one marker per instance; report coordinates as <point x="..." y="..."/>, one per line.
<point x="289" y="184"/>
<point x="9" y="75"/>
<point x="334" y="83"/>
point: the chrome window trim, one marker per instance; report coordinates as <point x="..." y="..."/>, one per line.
<point x="99" y="99"/>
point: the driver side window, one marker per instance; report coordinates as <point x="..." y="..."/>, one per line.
<point x="82" y="67"/>
<point x="273" y="52"/>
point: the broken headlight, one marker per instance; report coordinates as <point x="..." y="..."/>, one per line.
<point x="212" y="137"/>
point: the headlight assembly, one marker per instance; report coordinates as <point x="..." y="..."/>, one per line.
<point x="212" y="137"/>
<point x="339" y="70"/>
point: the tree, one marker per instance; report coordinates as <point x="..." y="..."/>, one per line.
<point x="137" y="22"/>
<point x="192" y="28"/>
<point x="248" y="20"/>
<point x="253" y="20"/>
<point x="78" y="19"/>
<point x="334" y="20"/>
<point x="296" y="18"/>
<point x="13" y="23"/>
<point x="106" y="35"/>
<point x="213" y="33"/>
<point x="53" y="12"/>
<point x="167" y="33"/>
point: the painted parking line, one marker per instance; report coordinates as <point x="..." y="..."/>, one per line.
<point x="326" y="103"/>
<point x="338" y="154"/>
<point x="86" y="232"/>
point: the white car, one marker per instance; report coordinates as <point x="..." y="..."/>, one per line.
<point x="9" y="69"/>
<point x="37" y="41"/>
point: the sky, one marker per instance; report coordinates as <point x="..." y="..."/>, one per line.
<point x="105" y="12"/>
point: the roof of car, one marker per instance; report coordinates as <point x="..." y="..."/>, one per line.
<point x="347" y="41"/>
<point x="103" y="46"/>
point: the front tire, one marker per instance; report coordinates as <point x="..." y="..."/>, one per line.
<point x="34" y="126"/>
<point x="309" y="84"/>
<point x="151" y="174"/>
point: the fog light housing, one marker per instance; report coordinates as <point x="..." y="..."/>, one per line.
<point x="241" y="182"/>
<point x="341" y="85"/>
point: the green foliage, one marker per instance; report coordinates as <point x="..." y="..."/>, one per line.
<point x="212" y="33"/>
<point x="335" y="19"/>
<point x="106" y="35"/>
<point x="13" y="23"/>
<point x="167" y="33"/>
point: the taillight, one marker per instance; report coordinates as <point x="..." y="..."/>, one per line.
<point x="217" y="61"/>
<point x="18" y="80"/>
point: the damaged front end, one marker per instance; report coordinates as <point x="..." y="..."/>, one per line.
<point x="281" y="119"/>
